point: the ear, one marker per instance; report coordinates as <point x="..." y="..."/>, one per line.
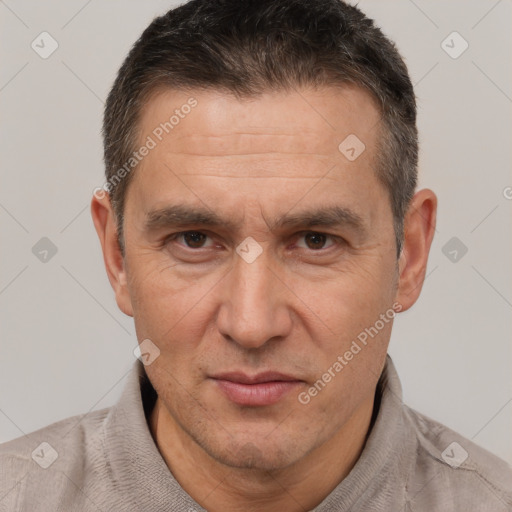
<point x="104" y="222"/>
<point x="419" y="227"/>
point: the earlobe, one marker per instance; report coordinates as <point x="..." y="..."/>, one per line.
<point x="104" y="222"/>
<point x="419" y="228"/>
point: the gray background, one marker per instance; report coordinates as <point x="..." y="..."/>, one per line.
<point x="66" y="348"/>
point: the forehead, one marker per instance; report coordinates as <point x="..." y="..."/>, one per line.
<point x="219" y="150"/>
<point x="283" y="121"/>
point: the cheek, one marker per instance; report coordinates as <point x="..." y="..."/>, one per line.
<point x="159" y="300"/>
<point x="349" y="338"/>
<point x="172" y="307"/>
<point x="347" y="298"/>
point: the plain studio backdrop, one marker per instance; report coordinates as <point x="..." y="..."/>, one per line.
<point x="66" y="348"/>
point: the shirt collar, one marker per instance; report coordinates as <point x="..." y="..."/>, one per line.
<point x="388" y="455"/>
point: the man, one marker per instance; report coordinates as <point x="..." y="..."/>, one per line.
<point x="260" y="222"/>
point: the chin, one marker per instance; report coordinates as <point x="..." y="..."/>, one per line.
<point x="261" y="455"/>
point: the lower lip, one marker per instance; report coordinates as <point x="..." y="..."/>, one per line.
<point x="264" y="393"/>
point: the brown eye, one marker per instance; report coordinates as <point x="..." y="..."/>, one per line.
<point x="194" y="239"/>
<point x="190" y="239"/>
<point x="315" y="240"/>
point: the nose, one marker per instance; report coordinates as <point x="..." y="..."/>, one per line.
<point x="254" y="306"/>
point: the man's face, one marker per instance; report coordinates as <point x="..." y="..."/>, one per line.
<point x="289" y="300"/>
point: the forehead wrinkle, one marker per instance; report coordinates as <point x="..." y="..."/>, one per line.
<point x="315" y="143"/>
<point x="280" y="152"/>
<point x="296" y="166"/>
<point x="249" y="176"/>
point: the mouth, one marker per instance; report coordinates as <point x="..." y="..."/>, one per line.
<point x="255" y="390"/>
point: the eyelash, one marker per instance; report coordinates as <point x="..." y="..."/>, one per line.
<point x="336" y="239"/>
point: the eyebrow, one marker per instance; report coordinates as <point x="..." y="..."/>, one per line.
<point x="184" y="215"/>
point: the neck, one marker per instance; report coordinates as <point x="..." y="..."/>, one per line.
<point x="298" y="487"/>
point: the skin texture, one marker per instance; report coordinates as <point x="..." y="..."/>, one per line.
<point x="294" y="309"/>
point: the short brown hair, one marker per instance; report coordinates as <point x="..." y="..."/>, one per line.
<point x="247" y="47"/>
